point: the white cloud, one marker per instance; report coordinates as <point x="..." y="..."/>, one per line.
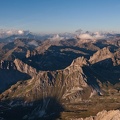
<point x="33" y="43"/>
<point x="20" y="32"/>
<point x="97" y="35"/>
<point x="85" y="36"/>
<point x="94" y="36"/>
<point x="56" y="38"/>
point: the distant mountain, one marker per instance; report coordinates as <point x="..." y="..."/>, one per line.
<point x="7" y="33"/>
<point x="10" y="35"/>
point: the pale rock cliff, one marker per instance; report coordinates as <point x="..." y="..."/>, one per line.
<point x="104" y="115"/>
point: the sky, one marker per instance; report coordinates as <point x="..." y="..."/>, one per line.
<point x="51" y="16"/>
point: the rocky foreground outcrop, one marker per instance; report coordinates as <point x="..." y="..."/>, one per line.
<point x="104" y="115"/>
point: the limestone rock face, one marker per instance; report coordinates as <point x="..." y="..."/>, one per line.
<point x="105" y="56"/>
<point x="23" y="67"/>
<point x="100" y="55"/>
<point x="76" y="72"/>
<point x="104" y="115"/>
<point x="80" y="61"/>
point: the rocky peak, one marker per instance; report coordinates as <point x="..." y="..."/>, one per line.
<point x="77" y="65"/>
<point x="80" y="61"/>
<point x="100" y="55"/>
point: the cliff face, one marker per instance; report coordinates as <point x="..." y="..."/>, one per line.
<point x="24" y="68"/>
<point x="18" y="65"/>
<point x="100" y="55"/>
<point x="9" y="65"/>
<point x="105" y="58"/>
<point x="12" y="72"/>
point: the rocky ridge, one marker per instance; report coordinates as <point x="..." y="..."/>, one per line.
<point x="45" y="74"/>
<point x="66" y="79"/>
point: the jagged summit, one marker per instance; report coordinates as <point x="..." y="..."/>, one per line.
<point x="101" y="54"/>
<point x="80" y="61"/>
<point x="77" y="65"/>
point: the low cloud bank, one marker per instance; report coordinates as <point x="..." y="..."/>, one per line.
<point x="86" y="36"/>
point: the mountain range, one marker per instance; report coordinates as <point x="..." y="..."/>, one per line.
<point x="59" y="76"/>
<point x="10" y="35"/>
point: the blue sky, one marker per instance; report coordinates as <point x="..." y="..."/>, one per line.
<point x="60" y="15"/>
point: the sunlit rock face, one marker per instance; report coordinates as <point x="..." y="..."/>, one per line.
<point x="104" y="115"/>
<point x="25" y="68"/>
